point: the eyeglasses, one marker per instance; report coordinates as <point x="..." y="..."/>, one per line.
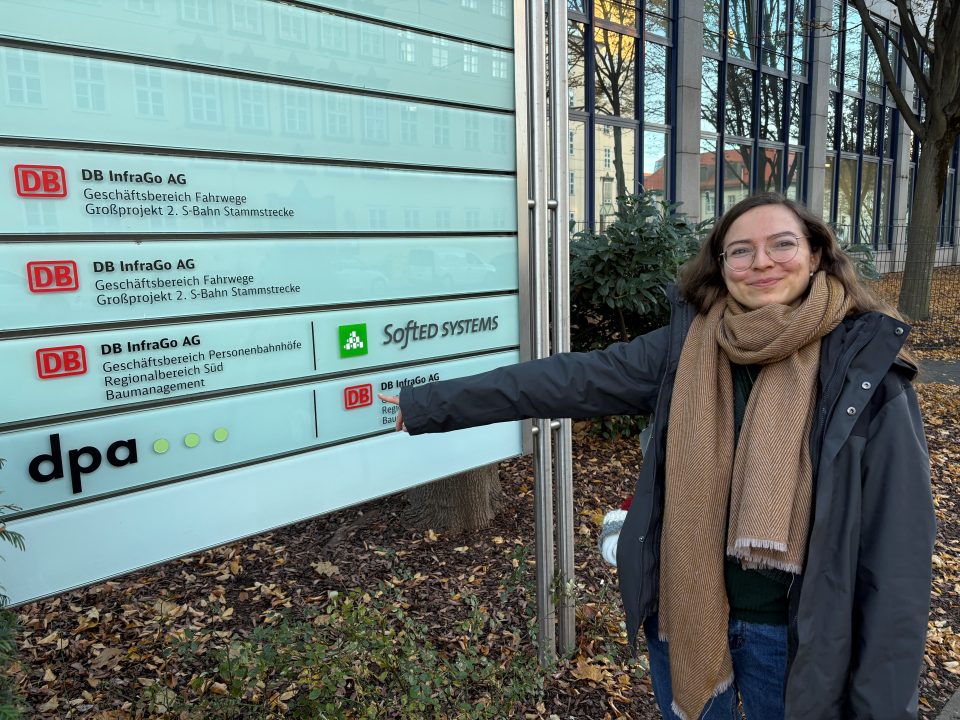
<point x="781" y="249"/>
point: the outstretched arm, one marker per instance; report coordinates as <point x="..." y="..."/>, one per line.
<point x="623" y="378"/>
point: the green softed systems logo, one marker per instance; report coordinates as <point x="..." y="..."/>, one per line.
<point x="353" y="340"/>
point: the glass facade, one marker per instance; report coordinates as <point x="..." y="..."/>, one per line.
<point x="752" y="100"/>
<point x="861" y="133"/>
<point x="620" y="60"/>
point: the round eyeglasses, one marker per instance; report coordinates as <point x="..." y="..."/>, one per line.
<point x="780" y="249"/>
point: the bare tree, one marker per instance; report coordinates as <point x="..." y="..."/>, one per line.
<point x="460" y="503"/>
<point x="931" y="51"/>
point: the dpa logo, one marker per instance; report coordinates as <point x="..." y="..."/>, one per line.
<point x="49" y="466"/>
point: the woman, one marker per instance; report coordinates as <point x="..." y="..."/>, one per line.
<point x="778" y="544"/>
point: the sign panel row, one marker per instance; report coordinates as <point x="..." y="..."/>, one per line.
<point x="97" y="540"/>
<point x="148" y="106"/>
<point x="62" y="374"/>
<point x="55" y="284"/>
<point x="277" y="39"/>
<point x="55" y="465"/>
<point x="73" y="191"/>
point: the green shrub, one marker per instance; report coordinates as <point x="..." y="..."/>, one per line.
<point x="618" y="279"/>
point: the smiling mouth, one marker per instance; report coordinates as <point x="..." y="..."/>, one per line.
<point x="765" y="283"/>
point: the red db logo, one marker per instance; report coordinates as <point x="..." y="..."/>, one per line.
<point x="357" y="396"/>
<point x="45" y="181"/>
<point x="53" y="276"/>
<point x="61" y="361"/>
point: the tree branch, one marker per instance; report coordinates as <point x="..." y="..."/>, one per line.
<point x="889" y="75"/>
<point x="914" y="45"/>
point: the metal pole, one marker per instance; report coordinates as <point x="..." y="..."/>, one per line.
<point x="539" y="265"/>
<point x="560" y="306"/>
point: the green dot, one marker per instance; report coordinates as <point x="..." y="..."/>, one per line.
<point x="220" y="434"/>
<point x="191" y="440"/>
<point x="161" y="446"/>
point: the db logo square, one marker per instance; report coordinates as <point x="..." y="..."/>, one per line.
<point x="53" y="276"/>
<point x="61" y="361"/>
<point x="357" y="396"/>
<point x="42" y="181"/>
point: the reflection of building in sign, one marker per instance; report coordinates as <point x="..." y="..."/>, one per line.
<point x="453" y="270"/>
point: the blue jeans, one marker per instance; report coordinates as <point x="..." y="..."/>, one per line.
<point x="759" y="654"/>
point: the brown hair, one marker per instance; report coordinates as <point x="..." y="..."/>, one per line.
<point x="701" y="279"/>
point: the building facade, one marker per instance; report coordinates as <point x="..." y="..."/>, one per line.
<point x="705" y="103"/>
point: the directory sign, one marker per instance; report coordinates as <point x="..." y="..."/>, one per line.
<point x="221" y="236"/>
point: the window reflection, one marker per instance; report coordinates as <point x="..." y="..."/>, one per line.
<point x="769" y="169"/>
<point x="577" y="166"/>
<point x="771" y="107"/>
<point x="576" y="87"/>
<point x="796" y="114"/>
<point x="888" y="132"/>
<point x="615" y="159"/>
<point x="800" y="32"/>
<point x="828" y="190"/>
<point x="711" y="25"/>
<point x="794" y="175"/>
<point x="737" y="160"/>
<point x="615" y="76"/>
<point x="846" y="198"/>
<point x="709" y="92"/>
<point x="655" y="162"/>
<point x="874" y="75"/>
<point x="739" y="101"/>
<point x="868" y="201"/>
<point x="848" y="123"/>
<point x="774" y="33"/>
<point x="872" y="117"/>
<point x="657" y="17"/>
<point x="832" y="139"/>
<point x="655" y="83"/>
<point x="836" y="65"/>
<point x="708" y="178"/>
<point x="852" y="52"/>
<point x="741" y="28"/>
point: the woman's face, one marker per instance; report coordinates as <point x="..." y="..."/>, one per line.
<point x="764" y="230"/>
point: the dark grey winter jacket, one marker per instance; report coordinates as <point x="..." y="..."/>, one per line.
<point x="858" y="614"/>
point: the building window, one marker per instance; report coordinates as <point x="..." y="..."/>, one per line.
<point x="203" y="101"/>
<point x="440" y="54"/>
<point x="197" y="11"/>
<point x="297" y="112"/>
<point x="333" y="33"/>
<point x="468" y="4"/>
<point x="246" y="17"/>
<point x="572" y="185"/>
<point x="23" y="77"/>
<point x="292" y="24"/>
<point x="606" y="158"/>
<point x="252" y="105"/>
<point x="374" y="120"/>
<point x="371" y="41"/>
<point x="337" y="116"/>
<point x="500" y="135"/>
<point x="148" y="91"/>
<point x="498" y="8"/>
<point x="408" y="47"/>
<point x="471" y="132"/>
<point x="471" y="59"/>
<point x="143" y="6"/>
<point x="441" y="127"/>
<point x="408" y="125"/>
<point x="500" y="67"/>
<point x="90" y="87"/>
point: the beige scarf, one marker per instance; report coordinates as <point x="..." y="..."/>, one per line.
<point x="766" y="482"/>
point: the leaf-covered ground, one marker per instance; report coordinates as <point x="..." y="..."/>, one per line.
<point x="145" y="643"/>
<point x="938" y="337"/>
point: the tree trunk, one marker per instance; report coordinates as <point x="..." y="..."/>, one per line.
<point x="465" y="502"/>
<point x="924" y="228"/>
